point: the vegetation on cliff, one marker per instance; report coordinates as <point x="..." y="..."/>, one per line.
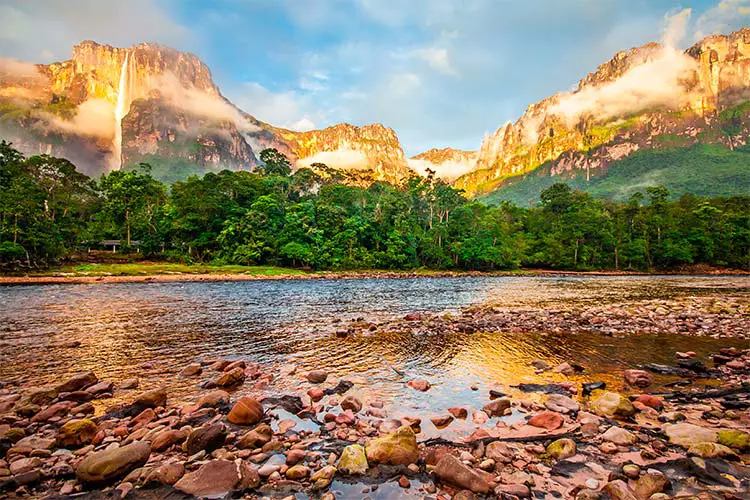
<point x="305" y="219"/>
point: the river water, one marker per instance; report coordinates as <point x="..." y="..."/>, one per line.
<point x="152" y="330"/>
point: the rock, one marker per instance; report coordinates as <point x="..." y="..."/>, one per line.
<point x="214" y="399"/>
<point x="733" y="438"/>
<point x="441" y="421"/>
<point x="297" y="472"/>
<point x="396" y="448"/>
<point x="78" y="382"/>
<point x="513" y="490"/>
<point x="295" y="456"/>
<point x="500" y="452"/>
<point x="151" y="399"/>
<point x="192" y="370"/>
<point x="654" y="402"/>
<point x="561" y="448"/>
<point x="564" y="368"/>
<point x="286" y="425"/>
<point x="351" y="403"/>
<point x="55" y="410"/>
<point x="256" y="438"/>
<point x="105" y="466"/>
<point x="24" y="465"/>
<point x="546" y="420"/>
<point x="322" y="478"/>
<point x="451" y="470"/>
<point x="589" y="387"/>
<point x="712" y="450"/>
<point x="231" y="378"/>
<point x="419" y="385"/>
<point x="316" y="394"/>
<point x="246" y="411"/>
<point x="76" y="433"/>
<point x="217" y="478"/>
<point x="353" y="460"/>
<point x="638" y="378"/>
<point x="540" y="364"/>
<point x="608" y="448"/>
<point x="100" y="387"/>
<point x="686" y="435"/>
<point x="458" y="412"/>
<point x="144" y="418"/>
<point x="35" y="442"/>
<point x="131" y="383"/>
<point x="561" y="404"/>
<point x="165" y="474"/>
<point x="166" y="439"/>
<point x="206" y="438"/>
<point x="613" y="405"/>
<point x="619" y="490"/>
<point x="631" y="470"/>
<point x="619" y="436"/>
<point x="317" y="376"/>
<point x="497" y="408"/>
<point x="650" y="483"/>
<point x="404" y="482"/>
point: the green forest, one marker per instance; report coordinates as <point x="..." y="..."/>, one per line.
<point x="313" y="219"/>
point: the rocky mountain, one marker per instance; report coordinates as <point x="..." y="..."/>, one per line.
<point x="108" y="108"/>
<point x="649" y="97"/>
<point x="446" y="163"/>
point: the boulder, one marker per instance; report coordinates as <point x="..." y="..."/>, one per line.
<point x="192" y="370"/>
<point x="419" y="385"/>
<point x="151" y="399"/>
<point x="686" y="435"/>
<point x="441" y="421"/>
<point x="317" y="376"/>
<point x="78" y="382"/>
<point x="612" y="405"/>
<point x="106" y="466"/>
<point x="297" y="472"/>
<point x="351" y="403"/>
<point x="712" y="450"/>
<point x="55" y="410"/>
<point x="217" y="478"/>
<point x="76" y="433"/>
<point x="638" y="378"/>
<point x="619" y="490"/>
<point x="353" y="460"/>
<point x="452" y="471"/>
<point x="546" y="420"/>
<point x="562" y="448"/>
<point x="734" y="438"/>
<point x="619" y="436"/>
<point x="497" y="408"/>
<point x="650" y="483"/>
<point x="458" y="412"/>
<point x="561" y="403"/>
<point x="396" y="448"/>
<point x="214" y="399"/>
<point x="500" y="452"/>
<point x="322" y="478"/>
<point x="166" y="439"/>
<point x="231" y="378"/>
<point x="206" y="438"/>
<point x="165" y="474"/>
<point x="246" y="411"/>
<point x="256" y="438"/>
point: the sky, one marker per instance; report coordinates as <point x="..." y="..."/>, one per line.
<point x="441" y="73"/>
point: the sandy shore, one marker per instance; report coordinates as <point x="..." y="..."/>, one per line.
<point x="58" y="279"/>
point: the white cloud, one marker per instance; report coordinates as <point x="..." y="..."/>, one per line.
<point x="344" y="159"/>
<point x="289" y="109"/>
<point x="31" y="29"/>
<point x="726" y="16"/>
<point x="436" y="58"/>
<point x="448" y="170"/>
<point x="94" y="117"/>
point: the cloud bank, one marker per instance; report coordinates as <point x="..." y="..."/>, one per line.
<point x="448" y="170"/>
<point x="342" y="159"/>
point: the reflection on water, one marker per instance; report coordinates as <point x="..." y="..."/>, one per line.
<point x="151" y="330"/>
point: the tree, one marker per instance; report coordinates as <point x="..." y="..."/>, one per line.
<point x="275" y="163"/>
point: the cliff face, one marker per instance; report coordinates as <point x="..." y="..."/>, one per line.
<point x="108" y="107"/>
<point x="371" y="147"/>
<point x="623" y="106"/>
<point x="446" y="163"/>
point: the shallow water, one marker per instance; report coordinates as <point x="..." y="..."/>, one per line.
<point x="152" y="330"/>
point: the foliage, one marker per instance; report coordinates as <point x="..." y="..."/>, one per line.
<point x="311" y="220"/>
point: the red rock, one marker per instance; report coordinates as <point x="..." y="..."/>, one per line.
<point x="165" y="439"/>
<point x="546" y="420"/>
<point x="458" y="412"/>
<point x="655" y="402"/>
<point x="451" y="470"/>
<point x="638" y="378"/>
<point x="441" y="421"/>
<point x="247" y="411"/>
<point x="233" y="377"/>
<point x="403" y="481"/>
<point x="295" y="456"/>
<point x="346" y="418"/>
<point x="240" y="363"/>
<point x="144" y="418"/>
<point x="317" y="376"/>
<point x="351" y="403"/>
<point x="316" y="394"/>
<point x="497" y="408"/>
<point x="56" y="410"/>
<point x="419" y="385"/>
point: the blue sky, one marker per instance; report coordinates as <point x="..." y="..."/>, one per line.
<point x="440" y="72"/>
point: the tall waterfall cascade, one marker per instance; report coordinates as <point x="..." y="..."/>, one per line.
<point x="124" y="98"/>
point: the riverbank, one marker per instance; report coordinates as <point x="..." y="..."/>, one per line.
<point x="144" y="272"/>
<point x="655" y="430"/>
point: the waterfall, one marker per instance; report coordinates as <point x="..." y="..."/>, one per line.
<point x="123" y="107"/>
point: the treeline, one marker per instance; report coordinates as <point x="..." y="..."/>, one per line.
<point x="312" y="219"/>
